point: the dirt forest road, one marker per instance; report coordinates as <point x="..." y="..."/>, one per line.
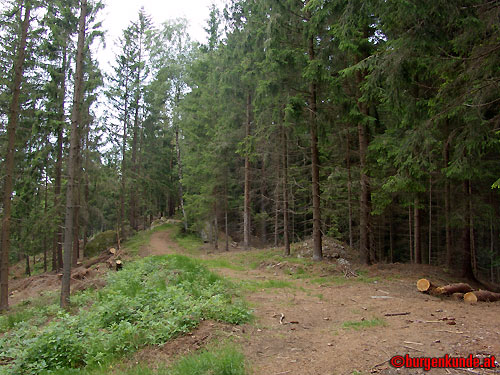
<point x="306" y="326"/>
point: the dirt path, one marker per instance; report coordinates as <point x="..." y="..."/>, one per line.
<point x="160" y="244"/>
<point x="342" y="329"/>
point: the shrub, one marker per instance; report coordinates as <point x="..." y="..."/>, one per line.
<point x="151" y="301"/>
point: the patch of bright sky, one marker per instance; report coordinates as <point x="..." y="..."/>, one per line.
<point x="118" y="14"/>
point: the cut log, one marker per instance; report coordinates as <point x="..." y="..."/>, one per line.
<point x="458" y="296"/>
<point x="119" y="265"/>
<point x="453" y="288"/>
<point x="80" y="273"/>
<point x="100" y="259"/>
<point x="481" y="295"/>
<point x="112" y="251"/>
<point x="425" y="286"/>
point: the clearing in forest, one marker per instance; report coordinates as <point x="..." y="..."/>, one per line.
<point x="309" y="318"/>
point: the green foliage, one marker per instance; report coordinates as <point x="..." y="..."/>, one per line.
<point x="221" y="361"/>
<point x="148" y="303"/>
<point x="100" y="242"/>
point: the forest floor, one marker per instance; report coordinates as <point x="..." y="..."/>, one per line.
<point x="333" y="325"/>
<point x="310" y="319"/>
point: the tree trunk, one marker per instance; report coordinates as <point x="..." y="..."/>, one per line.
<point x="316" y="197"/>
<point x="179" y="169"/>
<point x="467" y="270"/>
<point x="410" y="225"/>
<point x="285" y="192"/>
<point x="45" y="206"/>
<point x="246" y="203"/>
<point x="349" y="189"/>
<point x="277" y="204"/>
<point x="225" y="217"/>
<point x="73" y="157"/>
<point x="416" y="221"/>
<point x="9" y="157"/>
<point x="135" y="141"/>
<point x="263" y="220"/>
<point x="447" y="194"/>
<point x="430" y="219"/>
<point x="123" y="191"/>
<point x="28" y="269"/>
<point x="391" y="240"/>
<point x="57" y="261"/>
<point x="216" y="226"/>
<point x="76" y="208"/>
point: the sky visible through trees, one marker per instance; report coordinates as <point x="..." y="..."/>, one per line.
<point x="376" y="123"/>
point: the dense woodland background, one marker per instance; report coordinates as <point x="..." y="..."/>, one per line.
<point x="373" y="122"/>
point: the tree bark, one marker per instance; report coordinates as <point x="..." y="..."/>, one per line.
<point x="481" y="295"/>
<point x="135" y="140"/>
<point x="286" y="230"/>
<point x="57" y="261"/>
<point x="9" y="157"/>
<point x="313" y="128"/>
<point x="73" y="157"/>
<point x="410" y="225"/>
<point x="416" y="221"/>
<point x="263" y="220"/>
<point x="179" y="168"/>
<point x="349" y="189"/>
<point x="246" y="203"/>
<point x="123" y="191"/>
<point x="467" y="269"/>
<point x="447" y="194"/>
<point x="430" y="219"/>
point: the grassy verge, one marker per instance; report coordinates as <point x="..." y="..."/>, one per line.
<point x="151" y="301"/>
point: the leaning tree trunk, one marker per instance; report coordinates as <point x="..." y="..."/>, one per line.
<point x="73" y="158"/>
<point x="9" y="158"/>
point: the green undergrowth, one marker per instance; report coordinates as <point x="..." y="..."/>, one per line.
<point x="223" y="359"/>
<point x="189" y="241"/>
<point x="147" y="303"/>
<point x="363" y="324"/>
<point x="37" y="310"/>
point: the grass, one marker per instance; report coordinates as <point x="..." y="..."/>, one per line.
<point x="254" y="285"/>
<point x="221" y="360"/>
<point x="364" y="324"/>
<point x="222" y="263"/>
<point x="30" y="311"/>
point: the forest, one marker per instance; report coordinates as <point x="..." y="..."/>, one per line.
<point x="376" y="123"/>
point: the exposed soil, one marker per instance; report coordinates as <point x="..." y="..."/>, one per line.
<point x="307" y="329"/>
<point x="313" y="339"/>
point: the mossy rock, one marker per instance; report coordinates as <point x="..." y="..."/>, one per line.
<point x="100" y="242"/>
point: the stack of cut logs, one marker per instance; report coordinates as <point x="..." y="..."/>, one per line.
<point x="457" y="291"/>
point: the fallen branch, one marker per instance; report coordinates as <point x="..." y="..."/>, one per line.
<point x="397" y="314"/>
